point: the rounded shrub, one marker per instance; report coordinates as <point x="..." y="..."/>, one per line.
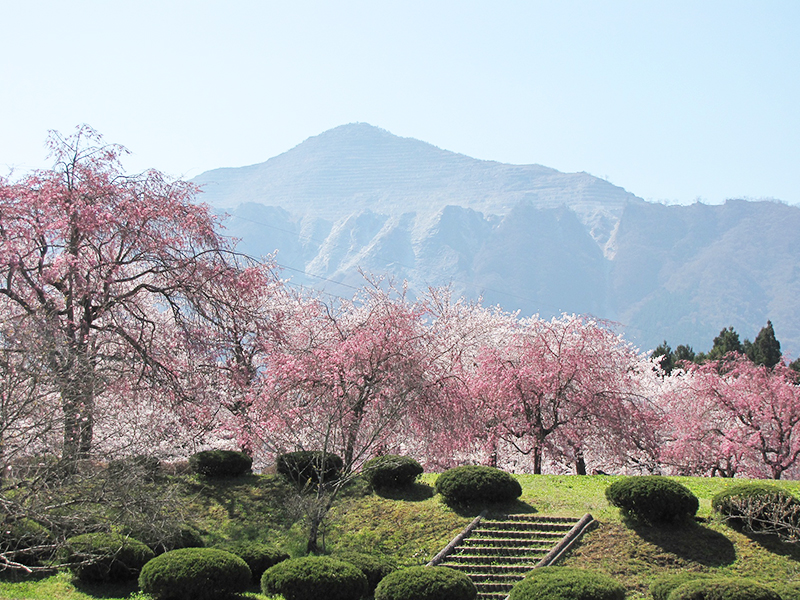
<point x="662" y="587"/>
<point x="161" y="537"/>
<point x="723" y="589"/>
<point x="474" y="483"/>
<point x="220" y="463"/>
<point x="309" y="465"/>
<point x="653" y="499"/>
<point x="194" y="574"/>
<point x="139" y="466"/>
<point x="564" y="583"/>
<point x="18" y="536"/>
<point x="314" y="577"/>
<point x="756" y="505"/>
<point x="106" y="557"/>
<point x="391" y="471"/>
<point x="375" y="568"/>
<point x="426" y="583"/>
<point x="259" y="557"/>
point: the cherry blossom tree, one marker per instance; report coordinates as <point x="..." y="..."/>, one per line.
<point x="741" y="416"/>
<point x="555" y="386"/>
<point x="97" y="259"/>
<point x="354" y="378"/>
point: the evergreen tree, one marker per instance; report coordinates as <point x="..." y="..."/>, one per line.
<point x="727" y="341"/>
<point x="765" y="350"/>
<point x="668" y="362"/>
<point x="683" y="354"/>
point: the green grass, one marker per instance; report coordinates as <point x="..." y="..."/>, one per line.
<point x="414" y="525"/>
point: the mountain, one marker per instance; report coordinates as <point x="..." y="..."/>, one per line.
<point x="526" y="237"/>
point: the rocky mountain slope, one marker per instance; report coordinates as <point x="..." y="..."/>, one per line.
<point x="523" y="236"/>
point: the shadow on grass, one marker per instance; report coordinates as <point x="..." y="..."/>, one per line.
<point x="771" y="543"/>
<point x="691" y="541"/>
<point x="106" y="590"/>
<point x="416" y="492"/>
<point x="499" y="510"/>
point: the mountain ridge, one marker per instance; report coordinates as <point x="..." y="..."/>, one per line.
<point x="524" y="236"/>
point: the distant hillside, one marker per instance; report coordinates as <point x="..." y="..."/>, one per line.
<point x="524" y="236"/>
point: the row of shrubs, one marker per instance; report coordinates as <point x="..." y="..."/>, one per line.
<point x="755" y="506"/>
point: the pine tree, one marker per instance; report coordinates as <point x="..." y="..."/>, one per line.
<point x="766" y="349"/>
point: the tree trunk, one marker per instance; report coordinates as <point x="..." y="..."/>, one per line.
<point x="537" y="460"/>
<point x="580" y="463"/>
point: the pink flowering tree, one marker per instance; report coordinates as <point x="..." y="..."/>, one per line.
<point x="95" y="260"/>
<point x="556" y="387"/>
<point x="735" y="417"/>
<point x="355" y="379"/>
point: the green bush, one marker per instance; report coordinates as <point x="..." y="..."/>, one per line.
<point x="564" y="583"/>
<point x="309" y="465"/>
<point x="314" y="577"/>
<point x="391" y="471"/>
<point x="110" y="557"/>
<point x="161" y="537"/>
<point x="723" y="589"/>
<point x="789" y="591"/>
<point x="474" y="483"/>
<point x="426" y="583"/>
<point x="220" y="463"/>
<point x="662" y="587"/>
<point x="140" y="466"/>
<point x="653" y="499"/>
<point x="195" y="574"/>
<point x="767" y="506"/>
<point x="375" y="568"/>
<point x="20" y="535"/>
<point x="259" y="557"/>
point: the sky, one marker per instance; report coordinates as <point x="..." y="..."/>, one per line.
<point x="674" y="101"/>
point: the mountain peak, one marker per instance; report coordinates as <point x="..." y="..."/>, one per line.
<point x="359" y="166"/>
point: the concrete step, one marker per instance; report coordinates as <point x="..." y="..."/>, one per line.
<point x="515" y="534"/>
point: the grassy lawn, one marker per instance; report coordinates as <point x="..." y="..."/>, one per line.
<point x="414" y="525"/>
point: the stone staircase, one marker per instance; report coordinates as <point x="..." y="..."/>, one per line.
<point x="496" y="554"/>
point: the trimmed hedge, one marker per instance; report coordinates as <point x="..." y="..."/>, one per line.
<point x="723" y="589"/>
<point x="375" y="568"/>
<point x="653" y="499"/>
<point x="391" y="471"/>
<point x="565" y="583"/>
<point x="777" y="503"/>
<point x="113" y="557"/>
<point x="19" y="535"/>
<point x="475" y="483"/>
<point x="194" y="574"/>
<point x="142" y="465"/>
<point x="220" y="463"/>
<point x="314" y="577"/>
<point x="309" y="465"/>
<point x="259" y="557"/>
<point x="160" y="537"/>
<point x="426" y="583"/>
<point x="662" y="587"/>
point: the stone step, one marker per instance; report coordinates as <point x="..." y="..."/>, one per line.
<point x="500" y="550"/>
<point x="528" y="526"/>
<point x="494" y="559"/>
<point x="479" y="577"/>
<point x="492" y="595"/>
<point x="486" y="586"/>
<point x="490" y="570"/>
<point x="533" y="517"/>
<point x="509" y="542"/>
<point x="515" y="534"/>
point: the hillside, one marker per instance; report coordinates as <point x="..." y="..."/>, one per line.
<point x="412" y="526"/>
<point x="526" y="237"/>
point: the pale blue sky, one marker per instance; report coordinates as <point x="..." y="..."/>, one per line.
<point x="671" y="100"/>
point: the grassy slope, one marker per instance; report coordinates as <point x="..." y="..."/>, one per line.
<point x="413" y="526"/>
